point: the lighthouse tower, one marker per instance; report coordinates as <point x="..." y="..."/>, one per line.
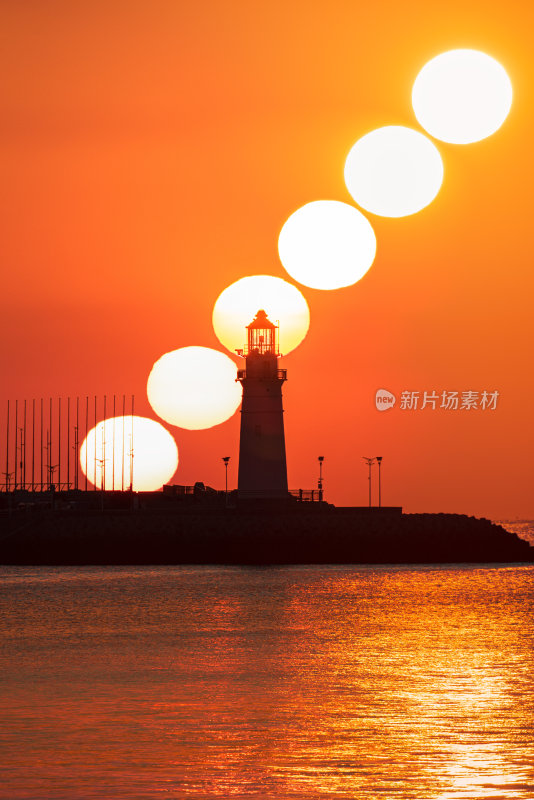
<point x="262" y="449"/>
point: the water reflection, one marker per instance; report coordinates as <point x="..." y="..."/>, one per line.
<point x="287" y="683"/>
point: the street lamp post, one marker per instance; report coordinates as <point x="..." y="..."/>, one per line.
<point x="320" y="459"/>
<point x="226" y="459"/>
<point x="370" y="462"/>
<point x="379" y="460"/>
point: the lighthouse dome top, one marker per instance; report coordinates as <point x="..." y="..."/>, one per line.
<point x="262" y="321"/>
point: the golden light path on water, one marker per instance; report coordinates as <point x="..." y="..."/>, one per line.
<point x="291" y="682"/>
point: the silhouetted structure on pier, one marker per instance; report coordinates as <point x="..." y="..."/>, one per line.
<point x="40" y="444"/>
<point x="262" y="450"/>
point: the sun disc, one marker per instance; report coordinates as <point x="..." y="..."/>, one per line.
<point x="462" y="96"/>
<point x="194" y="387"/>
<point x="327" y="245"/>
<point x="237" y="305"/>
<point x="119" y="447"/>
<point x="393" y="171"/>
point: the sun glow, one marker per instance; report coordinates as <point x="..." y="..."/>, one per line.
<point x="327" y="245"/>
<point x="194" y="387"/>
<point x="118" y="447"/>
<point x="393" y="171"/>
<point x="238" y="304"/>
<point x="462" y="96"/>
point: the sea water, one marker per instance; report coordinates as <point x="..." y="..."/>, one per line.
<point x="287" y="682"/>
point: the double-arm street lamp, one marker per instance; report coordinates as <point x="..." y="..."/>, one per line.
<point x="370" y="462"/>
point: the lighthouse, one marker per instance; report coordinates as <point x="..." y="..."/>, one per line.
<point x="262" y="449"/>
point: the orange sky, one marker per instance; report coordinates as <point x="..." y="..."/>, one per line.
<point x="150" y="153"/>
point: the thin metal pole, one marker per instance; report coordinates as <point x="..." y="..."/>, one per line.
<point x="132" y="448"/>
<point x="77" y="445"/>
<point x="21" y="462"/>
<point x="113" y="451"/>
<point x="59" y="445"/>
<point x="50" y="472"/>
<point x="123" y="412"/>
<point x="7" y="449"/>
<point x="16" y="439"/>
<point x="68" y="443"/>
<point x="23" y="451"/>
<point x="33" y="445"/>
<point x="102" y="460"/>
<point x="379" y="487"/>
<point x="104" y="426"/>
<point x="41" y="461"/>
<point x="370" y="462"/>
<point x="19" y="453"/>
<point x="94" y="470"/>
<point x="86" y="440"/>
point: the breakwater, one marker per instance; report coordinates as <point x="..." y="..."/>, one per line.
<point x="238" y="536"/>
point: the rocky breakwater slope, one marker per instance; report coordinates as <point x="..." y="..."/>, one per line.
<point x="233" y="536"/>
